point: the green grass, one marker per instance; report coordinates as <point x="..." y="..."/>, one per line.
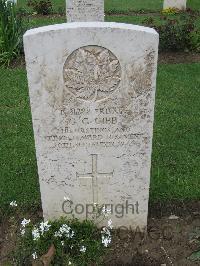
<point x="18" y="171"/>
<point x="158" y="20"/>
<point x="175" y="162"/>
<point x="146" y="5"/>
<point x="122" y="5"/>
<point x="36" y="21"/>
<point x="44" y="21"/>
<point x="139" y="20"/>
<point x="175" y="166"/>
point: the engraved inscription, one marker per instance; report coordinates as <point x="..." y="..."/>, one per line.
<point x="85" y="10"/>
<point x="92" y="73"/>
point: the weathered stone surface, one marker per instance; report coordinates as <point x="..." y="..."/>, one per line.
<point x="85" y="10"/>
<point x="92" y="90"/>
<point x="179" y="4"/>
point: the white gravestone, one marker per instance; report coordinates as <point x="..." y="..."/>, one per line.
<point x="12" y="1"/>
<point x="92" y="92"/>
<point x="179" y="4"/>
<point x="85" y="10"/>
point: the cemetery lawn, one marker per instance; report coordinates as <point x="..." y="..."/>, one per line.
<point x="122" y="6"/>
<point x="39" y="21"/>
<point x="175" y="163"/>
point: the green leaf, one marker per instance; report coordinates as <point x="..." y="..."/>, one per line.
<point x="195" y="256"/>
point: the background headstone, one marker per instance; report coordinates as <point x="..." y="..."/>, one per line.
<point x="92" y="100"/>
<point x="179" y="4"/>
<point x="85" y="10"/>
<point x="12" y="1"/>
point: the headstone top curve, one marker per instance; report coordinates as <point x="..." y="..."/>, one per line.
<point x="94" y="25"/>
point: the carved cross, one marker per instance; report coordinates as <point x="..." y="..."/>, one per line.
<point x="94" y="176"/>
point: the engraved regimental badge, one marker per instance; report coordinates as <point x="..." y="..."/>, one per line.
<point x="92" y="73"/>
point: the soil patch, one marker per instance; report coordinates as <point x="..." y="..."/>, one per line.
<point x="173" y="234"/>
<point x="178" y="57"/>
<point x="18" y="62"/>
<point x="169" y="241"/>
<point x="180" y="208"/>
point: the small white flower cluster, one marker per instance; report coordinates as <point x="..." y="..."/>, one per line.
<point x="83" y="249"/>
<point x="64" y="230"/>
<point x="13" y="203"/>
<point x="43" y="227"/>
<point x="106" y="235"/>
<point x="34" y="255"/>
<point x="23" y="231"/>
<point x="24" y="224"/>
<point x="35" y="234"/>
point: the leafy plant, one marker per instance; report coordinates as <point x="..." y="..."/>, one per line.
<point x="177" y="34"/>
<point x="12" y="29"/>
<point x="43" y="7"/>
<point x="62" y="242"/>
<point x="22" y="11"/>
<point x="170" y="11"/>
<point x="195" y="256"/>
<point x="195" y="40"/>
<point x="61" y="10"/>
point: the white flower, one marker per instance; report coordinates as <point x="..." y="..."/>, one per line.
<point x="23" y="232"/>
<point x="83" y="249"/>
<point x="66" y="198"/>
<point x="25" y="222"/>
<point x="64" y="230"/>
<point x="57" y="234"/>
<point x="34" y="255"/>
<point x="69" y="263"/>
<point x="110" y="224"/>
<point x="72" y="234"/>
<point x="44" y="227"/>
<point x="106" y="240"/>
<point x="13" y="203"/>
<point x="35" y="234"/>
<point x="62" y="243"/>
<point x="106" y="235"/>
